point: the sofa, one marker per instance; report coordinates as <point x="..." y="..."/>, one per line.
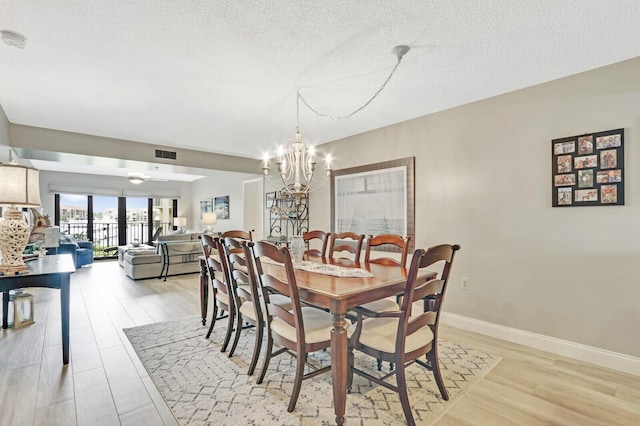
<point x="146" y="262"/>
<point x="82" y="251"/>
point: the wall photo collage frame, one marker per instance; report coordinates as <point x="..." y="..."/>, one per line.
<point x="588" y="170"/>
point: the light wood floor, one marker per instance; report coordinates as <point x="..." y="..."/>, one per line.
<point x="105" y="384"/>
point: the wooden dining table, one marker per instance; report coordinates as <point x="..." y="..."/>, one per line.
<point x="339" y="295"/>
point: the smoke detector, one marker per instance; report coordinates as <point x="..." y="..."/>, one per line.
<point x="13" y="38"/>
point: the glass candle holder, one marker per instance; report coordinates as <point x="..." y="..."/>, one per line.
<point x="297" y="248"/>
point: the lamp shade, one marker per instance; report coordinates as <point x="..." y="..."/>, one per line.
<point x="209" y="218"/>
<point x="180" y="221"/>
<point x="19" y="185"/>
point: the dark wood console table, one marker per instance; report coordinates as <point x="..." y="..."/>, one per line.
<point x="51" y="272"/>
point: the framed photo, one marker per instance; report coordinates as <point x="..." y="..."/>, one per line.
<point x="609" y="194"/>
<point x="565" y="147"/>
<point x="375" y="199"/>
<point x="588" y="170"/>
<point x="565" y="196"/>
<point x="585" y="178"/>
<point x="588" y="161"/>
<point x="206" y="205"/>
<point x="585" y="145"/>
<point x="564" y="164"/>
<point x="609" y="176"/>
<point x="609" y="159"/>
<point x="609" y="141"/>
<point x="221" y="207"/>
<point x="587" y="195"/>
<point x="563" y="180"/>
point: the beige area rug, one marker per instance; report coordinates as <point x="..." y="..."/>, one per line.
<point x="203" y="386"/>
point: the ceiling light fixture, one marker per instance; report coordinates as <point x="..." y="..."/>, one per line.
<point x="296" y="160"/>
<point x="13" y="38"/>
<point x="137" y="178"/>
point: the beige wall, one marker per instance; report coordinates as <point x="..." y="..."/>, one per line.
<point x="483" y="180"/>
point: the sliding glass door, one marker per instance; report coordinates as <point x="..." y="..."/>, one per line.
<point x="137" y="220"/>
<point x="105" y="223"/>
<point x="112" y="221"/>
<point x="72" y="214"/>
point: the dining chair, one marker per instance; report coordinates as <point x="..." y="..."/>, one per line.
<point x="223" y="295"/>
<point x="249" y="308"/>
<point x="386" y="241"/>
<point x="402" y="337"/>
<point x="339" y="243"/>
<point x="323" y="238"/>
<point x="209" y="249"/>
<point x="238" y="234"/>
<point x="299" y="330"/>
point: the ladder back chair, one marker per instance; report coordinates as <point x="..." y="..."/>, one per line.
<point x="323" y="238"/>
<point x="299" y="330"/>
<point x="382" y="241"/>
<point x="246" y="309"/>
<point x="339" y="243"/>
<point x="224" y="297"/>
<point x="248" y="305"/>
<point x="387" y="241"/>
<point x="209" y="249"/>
<point x="399" y="336"/>
<point x="237" y="234"/>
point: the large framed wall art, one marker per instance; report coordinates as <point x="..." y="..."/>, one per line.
<point x="588" y="170"/>
<point x="375" y="199"/>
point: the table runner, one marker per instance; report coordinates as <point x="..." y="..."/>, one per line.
<point x="326" y="269"/>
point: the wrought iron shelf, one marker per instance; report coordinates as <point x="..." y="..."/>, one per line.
<point x="287" y="216"/>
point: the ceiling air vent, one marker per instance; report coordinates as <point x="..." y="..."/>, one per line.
<point x="166" y="154"/>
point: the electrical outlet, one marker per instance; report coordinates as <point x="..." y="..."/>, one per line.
<point x="465" y="283"/>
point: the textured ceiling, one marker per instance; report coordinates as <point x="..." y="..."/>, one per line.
<point x="221" y="76"/>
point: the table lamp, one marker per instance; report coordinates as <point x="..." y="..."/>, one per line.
<point x="209" y="219"/>
<point x="19" y="186"/>
<point x="180" y="222"/>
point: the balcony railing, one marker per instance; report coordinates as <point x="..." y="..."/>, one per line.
<point x="105" y="234"/>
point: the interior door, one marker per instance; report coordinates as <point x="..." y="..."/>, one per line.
<point x="253" y="194"/>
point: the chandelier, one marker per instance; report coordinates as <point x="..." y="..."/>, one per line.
<point x="296" y="161"/>
<point x="296" y="164"/>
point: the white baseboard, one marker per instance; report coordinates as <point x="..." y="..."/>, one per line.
<point x="590" y="354"/>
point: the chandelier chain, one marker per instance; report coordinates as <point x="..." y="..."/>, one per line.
<point x="341" y="117"/>
<point x="297" y="162"/>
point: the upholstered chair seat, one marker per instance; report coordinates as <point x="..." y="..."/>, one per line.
<point x="317" y="326"/>
<point x="382" y="305"/>
<point x="248" y="310"/>
<point x="382" y="334"/>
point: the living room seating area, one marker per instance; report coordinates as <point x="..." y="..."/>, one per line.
<point x="182" y="251"/>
